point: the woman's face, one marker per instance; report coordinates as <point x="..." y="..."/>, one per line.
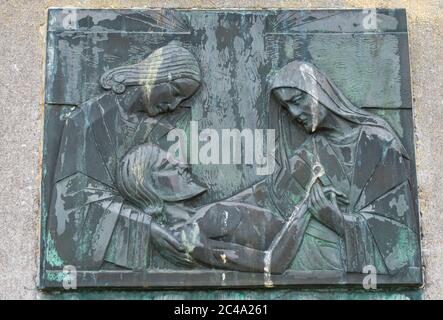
<point x="165" y="97"/>
<point x="304" y="108"/>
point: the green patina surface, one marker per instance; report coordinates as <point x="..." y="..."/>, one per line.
<point x="320" y="294"/>
<point x="345" y="58"/>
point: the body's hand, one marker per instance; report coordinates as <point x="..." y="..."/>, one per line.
<point x="168" y="245"/>
<point x="326" y="210"/>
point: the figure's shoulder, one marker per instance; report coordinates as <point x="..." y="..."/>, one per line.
<point x="85" y="111"/>
<point x="384" y="138"/>
<point x="379" y="134"/>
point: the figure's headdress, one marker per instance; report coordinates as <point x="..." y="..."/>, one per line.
<point x="165" y="64"/>
<point x="306" y="77"/>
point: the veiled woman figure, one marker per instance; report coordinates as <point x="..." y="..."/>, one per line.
<point x="86" y="204"/>
<point x="340" y="202"/>
<point x="361" y="157"/>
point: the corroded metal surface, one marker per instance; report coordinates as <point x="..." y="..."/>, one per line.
<point x="342" y="197"/>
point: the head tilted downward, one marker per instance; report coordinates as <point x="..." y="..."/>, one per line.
<point x="310" y="96"/>
<point x="168" y="76"/>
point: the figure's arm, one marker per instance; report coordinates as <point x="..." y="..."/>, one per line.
<point x="135" y="232"/>
<point x="169" y="246"/>
<point x="232" y="256"/>
<point x="286" y="244"/>
<point x="220" y="249"/>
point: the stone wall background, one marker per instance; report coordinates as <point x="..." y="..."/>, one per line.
<point x="22" y="47"/>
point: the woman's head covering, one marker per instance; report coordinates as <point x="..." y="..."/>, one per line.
<point x="165" y="64"/>
<point x="306" y="77"/>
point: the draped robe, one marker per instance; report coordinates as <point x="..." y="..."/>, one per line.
<point x="379" y="221"/>
<point x="89" y="219"/>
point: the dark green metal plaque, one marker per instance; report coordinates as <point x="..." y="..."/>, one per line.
<point x="228" y="149"/>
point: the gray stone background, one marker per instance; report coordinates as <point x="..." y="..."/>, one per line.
<point x="22" y="44"/>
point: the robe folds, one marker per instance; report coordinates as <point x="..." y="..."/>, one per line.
<point x="91" y="221"/>
<point x="94" y="224"/>
<point x="379" y="221"/>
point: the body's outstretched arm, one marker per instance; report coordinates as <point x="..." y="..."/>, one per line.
<point x="224" y="252"/>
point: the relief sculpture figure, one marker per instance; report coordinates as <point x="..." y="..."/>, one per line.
<point x="197" y="149"/>
<point x="363" y="159"/>
<point x="340" y="202"/>
<point x="88" y="213"/>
